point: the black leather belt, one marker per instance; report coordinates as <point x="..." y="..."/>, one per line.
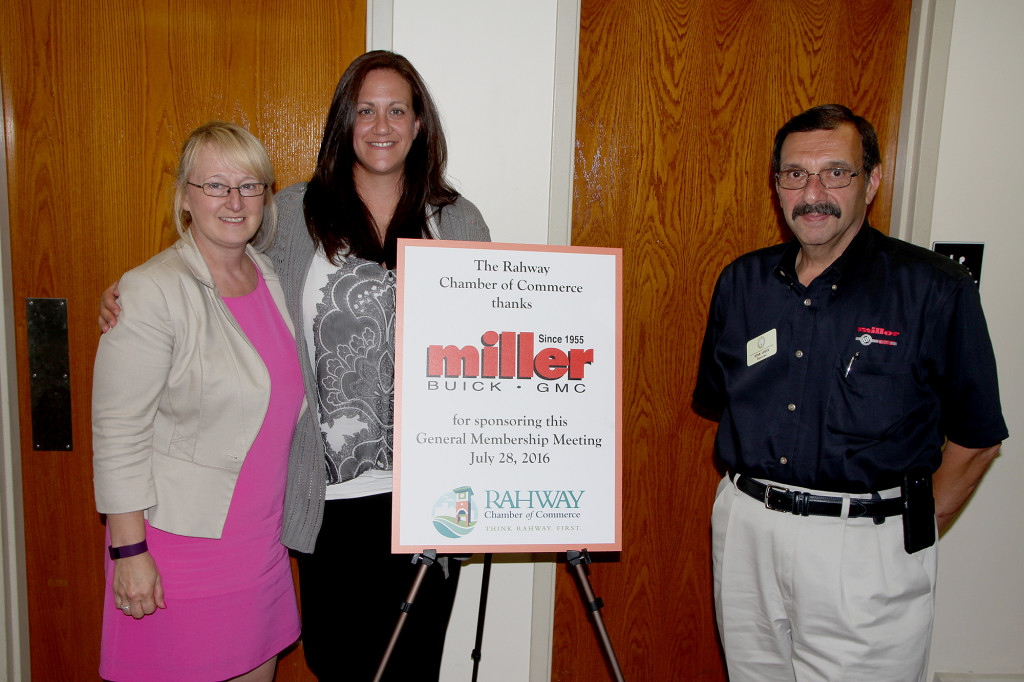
<point x="807" y="504"/>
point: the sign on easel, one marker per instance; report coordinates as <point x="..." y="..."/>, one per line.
<point x="508" y="396"/>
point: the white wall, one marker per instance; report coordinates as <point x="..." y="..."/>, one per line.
<point x="490" y="67"/>
<point x="979" y="623"/>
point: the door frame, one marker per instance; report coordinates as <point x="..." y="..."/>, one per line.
<point x="924" y="91"/>
<point x="14" y="659"/>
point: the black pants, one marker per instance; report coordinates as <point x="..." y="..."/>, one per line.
<point x="351" y="587"/>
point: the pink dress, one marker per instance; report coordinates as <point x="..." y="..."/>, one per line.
<point x="230" y="601"/>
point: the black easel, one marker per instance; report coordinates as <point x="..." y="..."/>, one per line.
<point x="485" y="581"/>
<point x="425" y="559"/>
<point x="594" y="605"/>
<point x="578" y="559"/>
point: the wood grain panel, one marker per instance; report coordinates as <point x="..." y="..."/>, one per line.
<point x="97" y="99"/>
<point x="678" y="104"/>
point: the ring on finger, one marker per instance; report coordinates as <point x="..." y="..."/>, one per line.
<point x="126" y="608"/>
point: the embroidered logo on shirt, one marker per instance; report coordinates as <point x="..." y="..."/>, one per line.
<point x="868" y="334"/>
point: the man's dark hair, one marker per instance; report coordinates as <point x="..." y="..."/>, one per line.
<point x="829" y="117"/>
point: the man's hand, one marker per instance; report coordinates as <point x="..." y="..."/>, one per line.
<point x="109" y="310"/>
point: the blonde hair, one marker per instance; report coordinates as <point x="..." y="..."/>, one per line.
<point x="240" y="148"/>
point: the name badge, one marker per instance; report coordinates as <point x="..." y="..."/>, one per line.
<point x="762" y="347"/>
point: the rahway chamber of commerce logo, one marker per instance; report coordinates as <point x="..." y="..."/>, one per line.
<point x="455" y="513"/>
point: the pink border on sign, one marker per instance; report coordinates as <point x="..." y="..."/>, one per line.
<point x="396" y="547"/>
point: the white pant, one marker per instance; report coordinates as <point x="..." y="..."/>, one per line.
<point x="818" y="598"/>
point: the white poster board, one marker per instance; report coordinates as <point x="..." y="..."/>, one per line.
<point x="508" y="394"/>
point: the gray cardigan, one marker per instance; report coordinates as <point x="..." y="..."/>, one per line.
<point x="292" y="253"/>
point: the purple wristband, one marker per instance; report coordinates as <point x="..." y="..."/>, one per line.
<point x="128" y="550"/>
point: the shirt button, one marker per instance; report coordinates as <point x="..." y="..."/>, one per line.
<point x="807" y="302"/>
<point x="835" y="287"/>
<point x="791" y="407"/>
<point x="799" y="353"/>
<point x="783" y="460"/>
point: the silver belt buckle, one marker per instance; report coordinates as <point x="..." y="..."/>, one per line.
<point x="767" y="491"/>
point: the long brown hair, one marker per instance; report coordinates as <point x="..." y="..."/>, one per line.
<point x="336" y="217"/>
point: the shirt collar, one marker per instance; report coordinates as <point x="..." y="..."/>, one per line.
<point x="785" y="270"/>
<point x="854" y="253"/>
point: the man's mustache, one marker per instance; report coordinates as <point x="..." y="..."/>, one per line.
<point x="824" y="207"/>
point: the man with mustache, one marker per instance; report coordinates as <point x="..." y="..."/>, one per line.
<point x="853" y="376"/>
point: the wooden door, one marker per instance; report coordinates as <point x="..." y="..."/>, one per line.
<point x="97" y="99"/>
<point x="678" y="103"/>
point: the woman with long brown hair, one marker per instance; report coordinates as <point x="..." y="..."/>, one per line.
<point x="379" y="176"/>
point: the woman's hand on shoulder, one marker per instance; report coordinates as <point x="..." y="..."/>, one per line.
<point x="109" y="309"/>
<point x="137" y="585"/>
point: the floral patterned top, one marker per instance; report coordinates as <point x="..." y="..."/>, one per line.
<point x="351" y="343"/>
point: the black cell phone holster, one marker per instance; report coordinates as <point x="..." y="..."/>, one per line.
<point x="918" y="510"/>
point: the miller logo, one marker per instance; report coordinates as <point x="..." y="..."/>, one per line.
<point x="455" y="513"/>
<point x="868" y="334"/>
<point x="508" y="355"/>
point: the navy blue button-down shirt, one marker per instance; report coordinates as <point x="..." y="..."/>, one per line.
<point x="851" y="381"/>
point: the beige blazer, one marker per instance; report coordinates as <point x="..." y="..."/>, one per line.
<point x="179" y="395"/>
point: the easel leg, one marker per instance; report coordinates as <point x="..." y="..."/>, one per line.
<point x="594" y="605"/>
<point x="425" y="560"/>
<point x="485" y="581"/>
